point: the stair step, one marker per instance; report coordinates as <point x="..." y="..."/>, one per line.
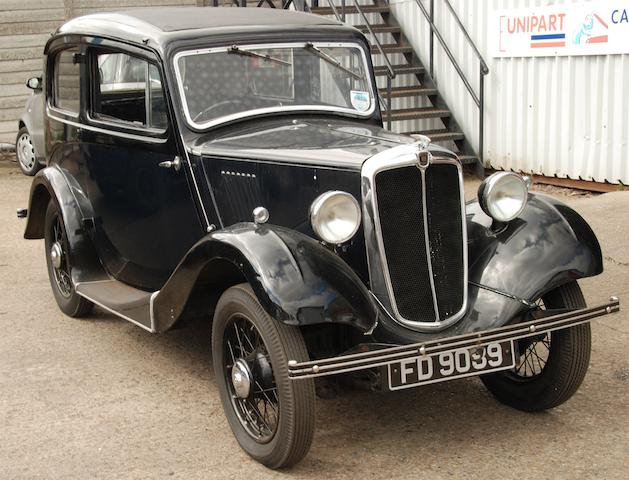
<point x="467" y="159"/>
<point x="391" y="48"/>
<point x="351" y="9"/>
<point x="398" y="92"/>
<point x="399" y="70"/>
<point x="417" y="113"/>
<point x="379" y="28"/>
<point x="439" y="135"/>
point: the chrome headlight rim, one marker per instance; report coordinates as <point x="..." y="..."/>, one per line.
<point x="318" y="211"/>
<point x="493" y="184"/>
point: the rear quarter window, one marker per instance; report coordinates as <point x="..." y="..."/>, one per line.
<point x="67" y="81"/>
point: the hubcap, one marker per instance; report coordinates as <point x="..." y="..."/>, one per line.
<point x="56" y="255"/>
<point x="25" y="151"/>
<point x="59" y="260"/>
<point x="241" y="378"/>
<point x="250" y="379"/>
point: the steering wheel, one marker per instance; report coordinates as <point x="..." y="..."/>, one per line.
<point x="224" y="104"/>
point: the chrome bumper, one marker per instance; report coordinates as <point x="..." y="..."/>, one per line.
<point x="384" y="356"/>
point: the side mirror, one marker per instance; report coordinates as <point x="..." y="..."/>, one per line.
<point x="34" y="83"/>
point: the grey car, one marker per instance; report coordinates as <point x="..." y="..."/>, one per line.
<point x="118" y="73"/>
<point x="29" y="143"/>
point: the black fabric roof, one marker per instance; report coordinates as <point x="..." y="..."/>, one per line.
<point x="172" y="19"/>
<point x="160" y="27"/>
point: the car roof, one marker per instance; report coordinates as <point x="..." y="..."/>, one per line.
<point x="164" y="25"/>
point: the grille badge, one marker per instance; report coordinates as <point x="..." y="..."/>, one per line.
<point x="423" y="160"/>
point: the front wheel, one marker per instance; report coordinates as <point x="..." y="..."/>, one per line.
<point x="549" y="368"/>
<point x="272" y="417"/>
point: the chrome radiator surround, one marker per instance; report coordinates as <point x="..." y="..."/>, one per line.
<point x="379" y="276"/>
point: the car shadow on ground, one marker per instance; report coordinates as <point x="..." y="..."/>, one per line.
<point x="431" y="421"/>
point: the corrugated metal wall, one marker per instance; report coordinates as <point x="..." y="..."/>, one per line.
<point x="564" y="116"/>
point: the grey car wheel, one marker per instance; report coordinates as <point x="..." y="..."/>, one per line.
<point x="25" y="152"/>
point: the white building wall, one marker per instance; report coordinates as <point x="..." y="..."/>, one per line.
<point x="563" y="116"/>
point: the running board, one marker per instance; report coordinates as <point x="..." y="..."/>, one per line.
<point x="120" y="299"/>
<point x="384" y="356"/>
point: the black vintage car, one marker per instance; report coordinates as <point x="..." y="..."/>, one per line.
<point x="241" y="173"/>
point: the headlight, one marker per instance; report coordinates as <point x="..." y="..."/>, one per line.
<point x="335" y="216"/>
<point x="503" y="195"/>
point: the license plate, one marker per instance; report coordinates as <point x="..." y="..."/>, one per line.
<point x="439" y="367"/>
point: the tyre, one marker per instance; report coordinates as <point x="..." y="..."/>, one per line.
<point x="25" y="153"/>
<point x="58" y="262"/>
<point x="550" y="367"/>
<point x="271" y="416"/>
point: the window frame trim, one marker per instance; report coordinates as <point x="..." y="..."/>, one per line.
<point x="206" y="126"/>
<point x="52" y="92"/>
<point x="120" y="126"/>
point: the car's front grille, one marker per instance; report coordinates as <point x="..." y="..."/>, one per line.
<point x="423" y="244"/>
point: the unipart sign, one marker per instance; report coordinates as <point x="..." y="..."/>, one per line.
<point x="592" y="28"/>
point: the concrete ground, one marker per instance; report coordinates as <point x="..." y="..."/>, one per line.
<point x="101" y="398"/>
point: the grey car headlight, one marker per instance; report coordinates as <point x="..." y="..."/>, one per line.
<point x="335" y="216"/>
<point x="503" y="195"/>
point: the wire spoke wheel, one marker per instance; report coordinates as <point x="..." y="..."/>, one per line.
<point x="257" y="407"/>
<point x="533" y="357"/>
<point x="271" y="416"/>
<point x="549" y="367"/>
<point x="59" y="259"/>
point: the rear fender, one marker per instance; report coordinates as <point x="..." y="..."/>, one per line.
<point x="50" y="184"/>
<point x="297" y="281"/>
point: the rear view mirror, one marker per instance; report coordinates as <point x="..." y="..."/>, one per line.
<point x="34" y="83"/>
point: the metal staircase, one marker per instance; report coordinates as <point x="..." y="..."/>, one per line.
<point x="420" y="108"/>
<point x="409" y="99"/>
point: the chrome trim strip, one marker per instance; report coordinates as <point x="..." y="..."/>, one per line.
<point x="111" y="310"/>
<point x="91" y="128"/>
<point x="504" y="294"/>
<point x="377" y="358"/>
<point x="196" y="186"/>
<point x="262" y="111"/>
<point x="427" y="242"/>
<point x="396" y="157"/>
<point x="151" y="309"/>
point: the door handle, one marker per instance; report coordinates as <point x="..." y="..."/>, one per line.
<point x="175" y="163"/>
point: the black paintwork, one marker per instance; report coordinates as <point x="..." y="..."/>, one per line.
<point x="145" y="226"/>
<point x="548" y="245"/>
<point x="297" y="280"/>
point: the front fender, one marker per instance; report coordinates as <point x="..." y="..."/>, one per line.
<point x="297" y="281"/>
<point x="548" y="245"/>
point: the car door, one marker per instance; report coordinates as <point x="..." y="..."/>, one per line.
<point x="145" y="218"/>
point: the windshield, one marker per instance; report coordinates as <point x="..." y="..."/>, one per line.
<point x="221" y="84"/>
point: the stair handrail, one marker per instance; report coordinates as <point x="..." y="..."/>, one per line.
<point x="479" y="99"/>
<point x="390" y="71"/>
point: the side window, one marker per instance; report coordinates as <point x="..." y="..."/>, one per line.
<point x="128" y="90"/>
<point x="67" y="81"/>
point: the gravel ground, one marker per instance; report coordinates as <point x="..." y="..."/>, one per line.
<point x="101" y="398"/>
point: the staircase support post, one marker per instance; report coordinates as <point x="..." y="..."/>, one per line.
<point x="432" y="37"/>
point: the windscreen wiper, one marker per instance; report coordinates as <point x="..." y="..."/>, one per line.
<point x="331" y="60"/>
<point x="239" y="51"/>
